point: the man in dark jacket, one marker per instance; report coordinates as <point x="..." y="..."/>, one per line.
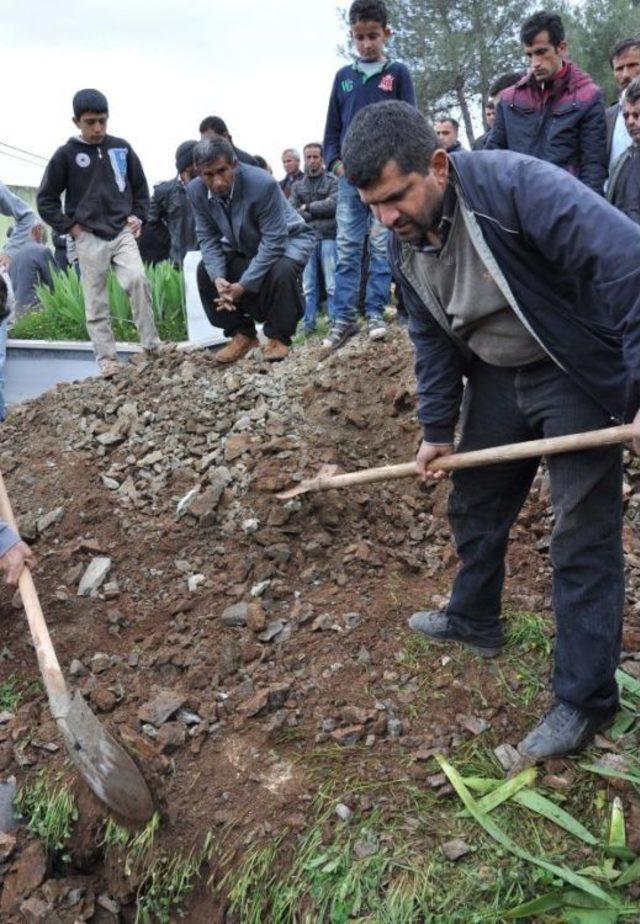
<point x="625" y="64"/>
<point x="315" y="196"/>
<point x="171" y="209"/>
<point x="526" y="283"/>
<point x="292" y="171"/>
<point x="106" y="199"/>
<point x="215" y="127"/>
<point x="623" y="190"/>
<point x="555" y="112"/>
<point x="448" y="130"/>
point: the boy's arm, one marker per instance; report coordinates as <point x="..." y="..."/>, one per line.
<point x="273" y="239"/>
<point x="139" y="186"/>
<point x="333" y="126"/>
<point x="16" y="208"/>
<point x="406" y="90"/>
<point x="54" y="183"/>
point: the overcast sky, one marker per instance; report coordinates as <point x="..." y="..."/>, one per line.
<point x="266" y="68"/>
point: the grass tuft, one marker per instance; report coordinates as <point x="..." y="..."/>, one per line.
<point x="50" y="811"/>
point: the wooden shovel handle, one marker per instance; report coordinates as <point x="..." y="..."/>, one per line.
<point x="49" y="666"/>
<point x="592" y="439"/>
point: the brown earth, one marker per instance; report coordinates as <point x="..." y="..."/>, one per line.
<point x="314" y="658"/>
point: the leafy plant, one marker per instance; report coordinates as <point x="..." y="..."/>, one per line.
<point x="49" y="808"/>
<point x="62" y="314"/>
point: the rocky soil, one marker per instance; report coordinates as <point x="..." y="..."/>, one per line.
<point x="228" y="638"/>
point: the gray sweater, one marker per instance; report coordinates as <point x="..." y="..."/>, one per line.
<point x="459" y="284"/>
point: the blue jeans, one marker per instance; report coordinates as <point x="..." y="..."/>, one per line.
<point x="355" y="220"/>
<point x="508" y="406"/>
<point x="322" y="260"/>
<point x="4" y="328"/>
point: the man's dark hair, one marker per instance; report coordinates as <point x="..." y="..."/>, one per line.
<point x="503" y="82"/>
<point x="390" y="131"/>
<point x="368" y="11"/>
<point x="210" y="149"/>
<point x="632" y="93"/>
<point x="624" y="45"/>
<point x="446" y="118"/>
<point x="313" y="144"/>
<point x="542" y="22"/>
<point x="261" y="162"/>
<point x="89" y="101"/>
<point x="214" y="124"/>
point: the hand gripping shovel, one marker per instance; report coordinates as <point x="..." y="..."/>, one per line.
<point x="590" y="440"/>
<point x="102" y="762"/>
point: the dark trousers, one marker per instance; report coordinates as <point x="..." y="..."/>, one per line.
<point x="278" y="304"/>
<point x="512" y="405"/>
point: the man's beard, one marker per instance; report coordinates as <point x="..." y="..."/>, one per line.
<point x="418" y="228"/>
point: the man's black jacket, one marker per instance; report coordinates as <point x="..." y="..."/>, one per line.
<point x="569" y="264"/>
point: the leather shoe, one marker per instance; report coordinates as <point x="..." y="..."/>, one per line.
<point x="563" y="730"/>
<point x="274" y="350"/>
<point x="239" y="346"/>
<point x="436" y="625"/>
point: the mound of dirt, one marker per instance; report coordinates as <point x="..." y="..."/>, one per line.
<point x="225" y="637"/>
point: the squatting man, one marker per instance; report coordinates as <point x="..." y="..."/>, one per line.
<point x="525" y="282"/>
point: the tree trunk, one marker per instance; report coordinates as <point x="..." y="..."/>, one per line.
<point x="466" y="115"/>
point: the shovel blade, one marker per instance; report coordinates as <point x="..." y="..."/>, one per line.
<point x="104" y="764"/>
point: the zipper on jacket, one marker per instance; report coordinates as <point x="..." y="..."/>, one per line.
<point x="99" y="152"/>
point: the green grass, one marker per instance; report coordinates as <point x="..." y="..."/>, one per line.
<point x="48" y="806"/>
<point x="62" y="314"/>
<point x="322" y="329"/>
<point x="10" y="694"/>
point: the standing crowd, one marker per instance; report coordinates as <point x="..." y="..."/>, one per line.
<point x="517" y="265"/>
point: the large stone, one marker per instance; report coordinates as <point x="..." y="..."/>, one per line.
<point x="171" y="737"/>
<point x="161" y="708"/>
<point x="236" y="615"/>
<point x="8" y="821"/>
<point x="349" y="736"/>
<point x="94" y="576"/>
<point x="35" y="910"/>
<point x="54" y="516"/>
<point x="455" y="849"/>
<point x="27" y="875"/>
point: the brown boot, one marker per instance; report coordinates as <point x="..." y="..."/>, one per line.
<point x="275" y="350"/>
<point x="238" y="347"/>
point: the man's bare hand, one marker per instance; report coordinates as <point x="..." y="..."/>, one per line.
<point x="230" y="293"/>
<point x="427" y="453"/>
<point x="13" y="561"/>
<point x="135" y="225"/>
<point x="5" y="261"/>
<point x="75" y="231"/>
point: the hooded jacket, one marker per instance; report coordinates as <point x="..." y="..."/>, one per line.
<point x="562" y="123"/>
<point x="567" y="262"/>
<point x="103" y="184"/>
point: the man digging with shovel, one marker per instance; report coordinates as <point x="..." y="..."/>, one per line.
<point x="521" y="279"/>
